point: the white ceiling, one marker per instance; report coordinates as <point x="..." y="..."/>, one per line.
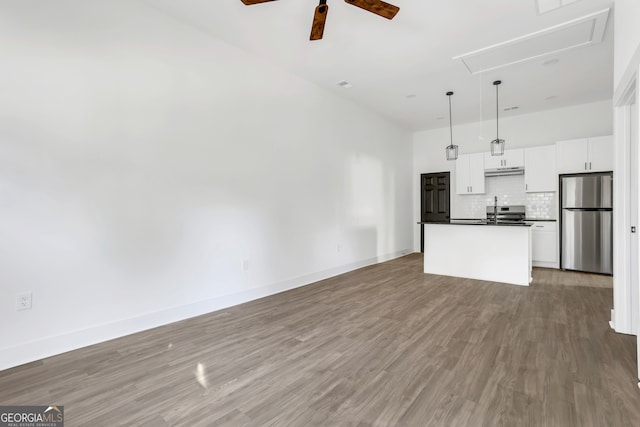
<point x="386" y="61"/>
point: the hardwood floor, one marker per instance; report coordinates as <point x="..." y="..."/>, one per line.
<point x="384" y="345"/>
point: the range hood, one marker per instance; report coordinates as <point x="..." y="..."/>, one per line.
<point x="519" y="170"/>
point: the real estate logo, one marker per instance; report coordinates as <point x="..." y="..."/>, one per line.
<point x="32" y="416"/>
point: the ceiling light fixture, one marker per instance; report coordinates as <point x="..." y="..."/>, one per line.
<point x="452" y="150"/>
<point x="378" y="7"/>
<point x="497" y="145"/>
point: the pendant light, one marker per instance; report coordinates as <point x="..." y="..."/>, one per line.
<point x="497" y="145"/>
<point x="452" y="150"/>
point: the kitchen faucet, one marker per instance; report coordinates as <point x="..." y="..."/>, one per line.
<point x="495" y="209"/>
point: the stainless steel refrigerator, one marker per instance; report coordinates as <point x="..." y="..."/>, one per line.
<point x="587" y="222"/>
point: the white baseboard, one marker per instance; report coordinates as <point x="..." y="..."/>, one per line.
<point x="611" y="324"/>
<point x="545" y="264"/>
<point x="51" y="346"/>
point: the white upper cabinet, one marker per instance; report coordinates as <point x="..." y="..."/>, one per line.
<point x="510" y="159"/>
<point x="572" y="155"/>
<point x="585" y="155"/>
<point x="462" y="174"/>
<point x="470" y="174"/>
<point x="540" y="174"/>
<point x="601" y="154"/>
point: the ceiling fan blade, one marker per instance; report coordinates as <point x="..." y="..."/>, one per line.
<point x="378" y="7"/>
<point x="319" y="19"/>
<point x="250" y="2"/>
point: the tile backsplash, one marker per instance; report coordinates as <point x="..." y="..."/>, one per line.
<point x="510" y="191"/>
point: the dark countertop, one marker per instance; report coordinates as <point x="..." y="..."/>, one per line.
<point x="476" y="222"/>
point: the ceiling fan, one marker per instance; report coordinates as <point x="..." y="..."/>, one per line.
<point x="378" y="7"/>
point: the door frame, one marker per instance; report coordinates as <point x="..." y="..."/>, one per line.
<point x="626" y="305"/>
<point x="623" y="295"/>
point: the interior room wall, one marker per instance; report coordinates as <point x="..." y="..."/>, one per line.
<point x="150" y="173"/>
<point x="626" y="36"/>
<point x="520" y="131"/>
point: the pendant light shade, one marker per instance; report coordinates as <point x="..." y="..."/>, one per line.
<point x="452" y="150"/>
<point x="497" y="145"/>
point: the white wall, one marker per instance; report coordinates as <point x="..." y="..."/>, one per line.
<point x="626" y="36"/>
<point x="525" y="130"/>
<point x="150" y="173"/>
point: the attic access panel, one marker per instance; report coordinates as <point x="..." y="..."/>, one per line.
<point x="579" y="32"/>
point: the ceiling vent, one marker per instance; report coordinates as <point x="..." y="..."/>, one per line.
<point x="579" y="32"/>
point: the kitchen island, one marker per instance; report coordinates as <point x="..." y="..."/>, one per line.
<point x="478" y="250"/>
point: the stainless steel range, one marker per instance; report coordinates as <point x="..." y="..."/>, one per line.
<point x="514" y="214"/>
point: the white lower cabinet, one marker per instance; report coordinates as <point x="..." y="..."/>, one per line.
<point x="544" y="242"/>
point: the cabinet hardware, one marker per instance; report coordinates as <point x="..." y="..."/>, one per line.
<point x="633" y="229"/>
<point x="526" y="187"/>
<point x="589" y="165"/>
<point x="585" y="166"/>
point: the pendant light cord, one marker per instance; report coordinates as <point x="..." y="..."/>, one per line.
<point x="450" y="124"/>
<point x="497" y="127"/>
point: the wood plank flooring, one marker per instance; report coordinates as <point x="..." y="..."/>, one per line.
<point x="382" y="346"/>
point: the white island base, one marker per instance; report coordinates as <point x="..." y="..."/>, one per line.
<point x="496" y="253"/>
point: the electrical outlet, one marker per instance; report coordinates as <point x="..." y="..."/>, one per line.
<point x="23" y="301"/>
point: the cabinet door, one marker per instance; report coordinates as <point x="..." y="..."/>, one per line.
<point x="510" y="159"/>
<point x="572" y="156"/>
<point x="514" y="158"/>
<point x="543" y="245"/>
<point x="493" y="162"/>
<point x="476" y="173"/>
<point x="540" y="169"/>
<point x="601" y="154"/>
<point x="462" y="174"/>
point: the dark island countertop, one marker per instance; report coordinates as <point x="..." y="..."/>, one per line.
<point x="477" y="222"/>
